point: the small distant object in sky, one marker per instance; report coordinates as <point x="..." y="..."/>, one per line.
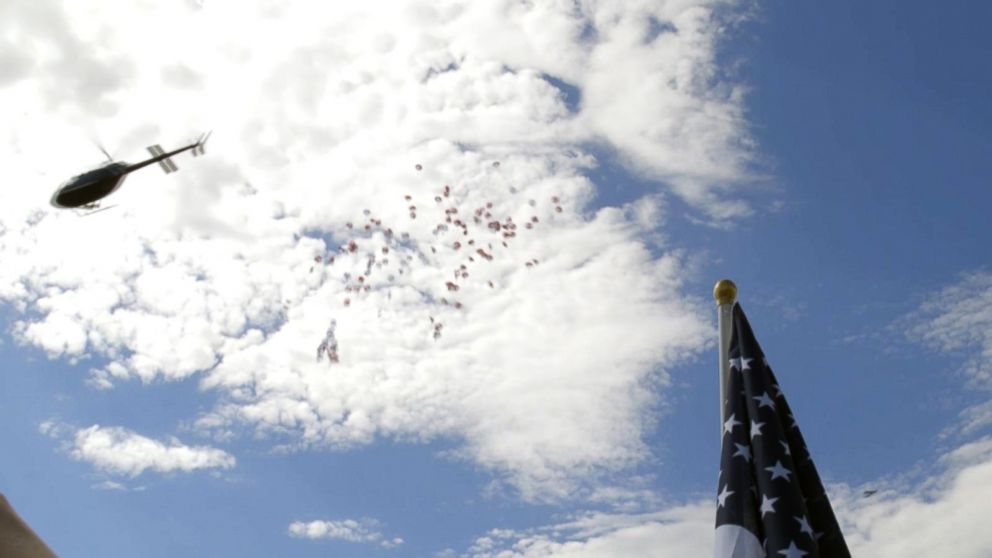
<point x="329" y="345"/>
<point x="557" y="209"/>
<point x="496" y="164"/>
<point x="869" y="493"/>
<point x="86" y="190"/>
<point x="419" y="167"/>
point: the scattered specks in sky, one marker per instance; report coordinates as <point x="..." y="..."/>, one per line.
<point x="496" y="231"/>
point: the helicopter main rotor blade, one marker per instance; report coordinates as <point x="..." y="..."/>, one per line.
<point x="109" y="158"/>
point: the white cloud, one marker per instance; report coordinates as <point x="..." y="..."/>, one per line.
<point x="118" y="451"/>
<point x="974" y="419"/>
<point x="679" y="531"/>
<point x="547" y="379"/>
<point x="110" y="485"/>
<point x="958" y="319"/>
<point x="945" y="515"/>
<point x="357" y="531"/>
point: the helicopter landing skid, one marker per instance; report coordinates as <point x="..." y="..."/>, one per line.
<point x="93" y="209"/>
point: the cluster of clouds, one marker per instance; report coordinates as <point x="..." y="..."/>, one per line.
<point x="958" y="320"/>
<point x="365" y="530"/>
<point x="945" y="515"/>
<point x="319" y="114"/>
<point x="942" y="512"/>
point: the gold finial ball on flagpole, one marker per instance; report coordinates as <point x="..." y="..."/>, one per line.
<point x="725" y="291"/>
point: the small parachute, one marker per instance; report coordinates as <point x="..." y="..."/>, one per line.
<point x="329" y="346"/>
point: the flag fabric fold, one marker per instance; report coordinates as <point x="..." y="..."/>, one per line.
<point x="770" y="500"/>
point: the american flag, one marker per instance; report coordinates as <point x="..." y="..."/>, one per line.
<point x="770" y="501"/>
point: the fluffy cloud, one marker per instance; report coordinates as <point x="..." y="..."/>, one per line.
<point x="680" y="531"/>
<point x="958" y="319"/>
<point x="547" y="378"/>
<point x="943" y="515"/>
<point x="118" y="451"/>
<point x="350" y="530"/>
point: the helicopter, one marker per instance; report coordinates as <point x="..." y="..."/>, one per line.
<point x="86" y="190"/>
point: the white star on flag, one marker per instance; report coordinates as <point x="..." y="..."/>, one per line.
<point x="728" y="426"/>
<point x="741" y="363"/>
<point x="778" y="471"/>
<point x="744" y="451"/>
<point x="804" y="526"/>
<point x="756" y="428"/>
<point x="764" y="401"/>
<point x="767" y="504"/>
<point x="792" y="551"/>
<point x="724" y="494"/>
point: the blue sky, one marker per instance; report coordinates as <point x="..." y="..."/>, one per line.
<point x="830" y="159"/>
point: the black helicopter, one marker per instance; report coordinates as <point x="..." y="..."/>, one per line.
<point x="86" y="190"/>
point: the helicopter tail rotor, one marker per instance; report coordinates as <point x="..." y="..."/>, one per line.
<point x="198" y="147"/>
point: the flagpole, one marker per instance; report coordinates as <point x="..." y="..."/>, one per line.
<point x="725" y="293"/>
